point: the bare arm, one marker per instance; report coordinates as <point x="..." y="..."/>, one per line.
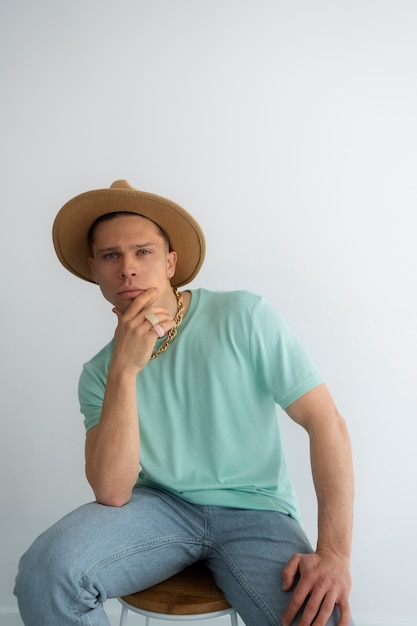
<point x="112" y="450"/>
<point x="324" y="576"/>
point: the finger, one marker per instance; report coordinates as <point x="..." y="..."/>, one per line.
<point x="318" y="609"/>
<point x="298" y="599"/>
<point x="326" y="609"/>
<point x="143" y="300"/>
<point x="289" y="572"/>
<point x="154" y="321"/>
<point x="117" y="312"/>
<point x="152" y="318"/>
<point x="344" y="610"/>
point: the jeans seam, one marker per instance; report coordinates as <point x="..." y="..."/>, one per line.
<point x="245" y="584"/>
<point x="151" y="545"/>
<point x="207" y="531"/>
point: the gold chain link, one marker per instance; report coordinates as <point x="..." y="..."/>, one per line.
<point x="177" y="320"/>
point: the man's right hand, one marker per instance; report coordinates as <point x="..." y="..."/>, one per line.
<point x="135" y="335"/>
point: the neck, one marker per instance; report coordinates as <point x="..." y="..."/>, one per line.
<point x="178" y="319"/>
<point x="186" y="295"/>
<point x="172" y="304"/>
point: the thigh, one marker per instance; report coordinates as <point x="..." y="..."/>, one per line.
<point x="109" y="551"/>
<point x="249" y="550"/>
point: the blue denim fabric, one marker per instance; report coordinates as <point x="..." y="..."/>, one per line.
<point x="99" y="552"/>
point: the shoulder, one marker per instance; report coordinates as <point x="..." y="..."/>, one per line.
<point x="243" y="311"/>
<point x="231" y="299"/>
<point x="237" y="304"/>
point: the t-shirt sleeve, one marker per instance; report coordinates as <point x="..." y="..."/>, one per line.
<point x="281" y="361"/>
<point x="91" y="387"/>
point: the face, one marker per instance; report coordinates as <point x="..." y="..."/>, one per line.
<point x="129" y="256"/>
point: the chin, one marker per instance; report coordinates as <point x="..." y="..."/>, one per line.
<point x="122" y="305"/>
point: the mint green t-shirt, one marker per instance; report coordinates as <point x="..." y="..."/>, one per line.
<point x="207" y="406"/>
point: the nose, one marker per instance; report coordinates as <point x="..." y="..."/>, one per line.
<point x="127" y="268"/>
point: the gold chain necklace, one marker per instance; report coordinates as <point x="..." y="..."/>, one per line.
<point x="177" y="320"/>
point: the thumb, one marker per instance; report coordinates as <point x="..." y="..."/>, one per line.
<point x="289" y="572"/>
<point x="117" y="312"/>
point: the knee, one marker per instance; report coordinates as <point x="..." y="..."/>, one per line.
<point x="43" y="564"/>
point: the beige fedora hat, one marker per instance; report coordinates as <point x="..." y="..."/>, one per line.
<point x="73" y="221"/>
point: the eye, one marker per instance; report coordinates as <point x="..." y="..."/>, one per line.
<point x="110" y="255"/>
<point x="143" y="252"/>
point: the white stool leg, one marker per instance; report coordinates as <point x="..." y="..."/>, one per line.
<point x="123" y="617"/>
<point x="233" y="618"/>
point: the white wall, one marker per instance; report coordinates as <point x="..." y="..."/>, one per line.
<point x="289" y="129"/>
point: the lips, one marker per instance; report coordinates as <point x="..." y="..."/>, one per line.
<point x="130" y="292"/>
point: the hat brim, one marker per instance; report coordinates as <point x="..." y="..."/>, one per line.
<point x="73" y="221"/>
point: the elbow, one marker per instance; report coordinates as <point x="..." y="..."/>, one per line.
<point x="116" y="500"/>
<point x="111" y="494"/>
<point x="113" y="490"/>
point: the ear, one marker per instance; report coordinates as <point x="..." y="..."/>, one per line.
<point x="171" y="263"/>
<point x="92" y="268"/>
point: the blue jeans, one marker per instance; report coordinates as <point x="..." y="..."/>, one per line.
<point x="99" y="552"/>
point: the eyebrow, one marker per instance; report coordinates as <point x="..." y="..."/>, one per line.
<point x="135" y="246"/>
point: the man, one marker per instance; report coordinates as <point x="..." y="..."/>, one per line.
<point x="183" y="450"/>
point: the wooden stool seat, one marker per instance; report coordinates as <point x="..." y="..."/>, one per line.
<point x="191" y="592"/>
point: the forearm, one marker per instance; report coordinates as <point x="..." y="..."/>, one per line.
<point x="113" y="449"/>
<point x="324" y="577"/>
<point x="331" y="461"/>
<point x="113" y="446"/>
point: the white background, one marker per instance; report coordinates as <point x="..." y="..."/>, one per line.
<point x="288" y="128"/>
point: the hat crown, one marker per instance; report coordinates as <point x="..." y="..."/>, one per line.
<point x="121" y="184"/>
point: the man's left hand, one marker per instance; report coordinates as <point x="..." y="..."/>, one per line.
<point x="323" y="582"/>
